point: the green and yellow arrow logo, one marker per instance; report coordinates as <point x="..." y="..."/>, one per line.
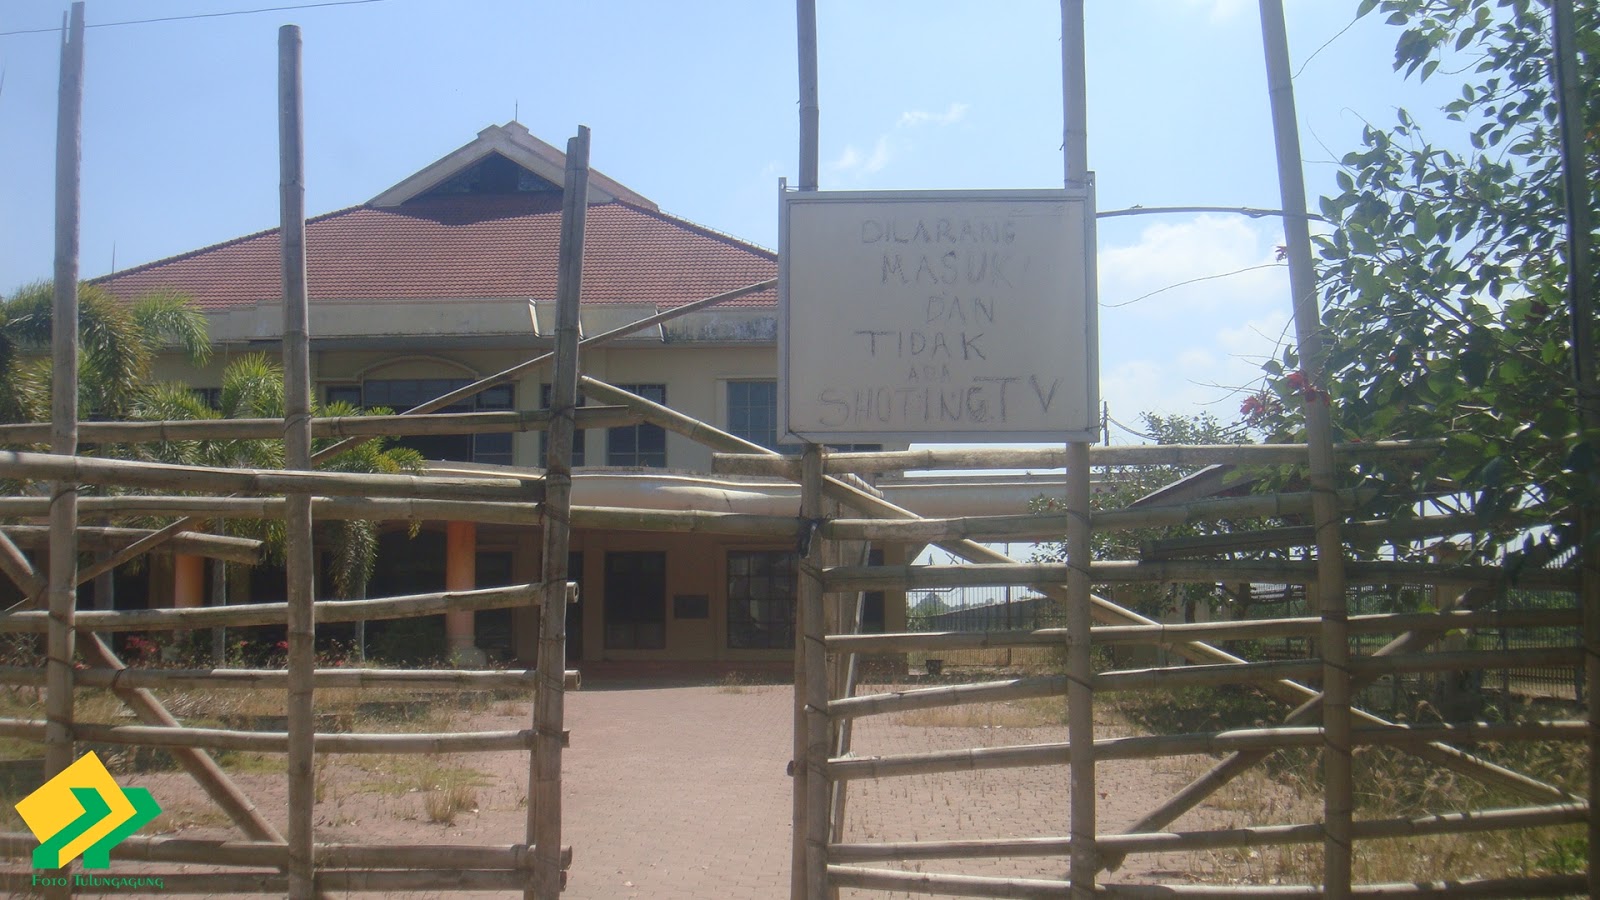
<point x="83" y="811"/>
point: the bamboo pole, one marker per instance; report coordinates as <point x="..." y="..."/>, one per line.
<point x="949" y="695"/>
<point x="887" y="461"/>
<point x="494" y="422"/>
<point x="249" y="679"/>
<point x="100" y="537"/>
<point x="954" y="885"/>
<point x="128" y="473"/>
<point x="279" y="741"/>
<point x="1161" y="634"/>
<point x="874" y="578"/>
<point x="818" y="722"/>
<point x="63" y="578"/>
<point x="1151" y="747"/>
<point x="1577" y="197"/>
<point x="544" y="774"/>
<point x="300" y="561"/>
<point x="1105" y="610"/>
<point x="402" y="509"/>
<point x="142" y="848"/>
<point x="342" y="881"/>
<point x="275" y="613"/>
<point x="1338" y="782"/>
<point x="1190" y="841"/>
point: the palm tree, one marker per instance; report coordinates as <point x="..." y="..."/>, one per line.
<point x="252" y="387"/>
<point x="118" y="343"/>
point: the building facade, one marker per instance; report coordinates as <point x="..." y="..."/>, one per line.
<point x="450" y="276"/>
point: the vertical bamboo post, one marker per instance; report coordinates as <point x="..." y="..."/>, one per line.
<point x="1338" y="788"/>
<point x="61" y="594"/>
<point x="812" y="627"/>
<point x="1581" y="309"/>
<point x="301" y="569"/>
<point x="544" y="777"/>
<point x="810" y="116"/>
<point x="1080" y="696"/>
<point x="806" y="51"/>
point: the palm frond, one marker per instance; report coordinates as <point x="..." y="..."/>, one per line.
<point x="167" y="318"/>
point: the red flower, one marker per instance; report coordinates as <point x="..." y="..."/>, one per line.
<point x="283" y="645"/>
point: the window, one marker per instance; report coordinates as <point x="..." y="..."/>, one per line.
<point x="636" y="600"/>
<point x="401" y="394"/>
<point x="753" y="412"/>
<point x="638" y="445"/>
<point x="544" y="436"/>
<point x="761" y="599"/>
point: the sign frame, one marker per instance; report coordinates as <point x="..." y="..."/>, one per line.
<point x="1079" y="379"/>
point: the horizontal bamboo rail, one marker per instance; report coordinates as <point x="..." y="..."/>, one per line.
<point x="497" y="422"/>
<point x="1506" y="888"/>
<point x="1195" y="675"/>
<point x="32" y="622"/>
<point x="953" y="885"/>
<point x="125" y="473"/>
<point x="277" y="741"/>
<point x="1030" y="888"/>
<point x="334" y="881"/>
<point x="1056" y="457"/>
<point x="878" y="578"/>
<point x="1179" y="633"/>
<point x="1147" y="747"/>
<point x="403" y="509"/>
<point x="227" y="548"/>
<point x="223" y="679"/>
<point x="142" y="848"/>
<point x="1051" y="526"/>
<point x="1188" y="841"/>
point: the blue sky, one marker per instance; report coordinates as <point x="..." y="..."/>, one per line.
<point x="694" y="105"/>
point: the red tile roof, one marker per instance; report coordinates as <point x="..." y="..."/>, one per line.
<point x="470" y="247"/>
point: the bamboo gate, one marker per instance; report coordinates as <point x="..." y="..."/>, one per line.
<point x="840" y="515"/>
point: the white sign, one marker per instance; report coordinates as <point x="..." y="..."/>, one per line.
<point x="938" y="315"/>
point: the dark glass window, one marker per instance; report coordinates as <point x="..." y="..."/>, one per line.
<point x="761" y="599"/>
<point x="401" y="394"/>
<point x="639" y="445"/>
<point x="753" y="412"/>
<point x="211" y="397"/>
<point x="636" y="600"/>
<point x="578" y="437"/>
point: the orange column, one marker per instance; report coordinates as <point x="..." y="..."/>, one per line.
<point x="188" y="580"/>
<point x="460" y="574"/>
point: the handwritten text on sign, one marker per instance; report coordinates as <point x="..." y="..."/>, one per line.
<point x="926" y="315"/>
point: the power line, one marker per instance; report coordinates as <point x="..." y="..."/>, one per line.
<point x="212" y="15"/>
<point x="1169" y="287"/>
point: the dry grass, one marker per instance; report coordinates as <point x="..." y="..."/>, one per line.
<point x="449" y="800"/>
<point x="1032" y="713"/>
<point x="1287" y="789"/>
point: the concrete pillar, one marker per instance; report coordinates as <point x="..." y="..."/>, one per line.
<point x="460" y="574"/>
<point x="188" y="580"/>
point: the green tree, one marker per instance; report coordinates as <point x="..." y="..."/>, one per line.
<point x="1443" y="280"/>
<point x="1126" y="484"/>
<point x="118" y="343"/>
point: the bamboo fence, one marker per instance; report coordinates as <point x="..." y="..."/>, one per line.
<point x="838" y="508"/>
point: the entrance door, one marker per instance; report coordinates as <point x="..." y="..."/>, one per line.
<point x="636" y="600"/>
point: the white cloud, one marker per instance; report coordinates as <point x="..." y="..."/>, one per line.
<point x="1208" y="262"/>
<point x="953" y="114"/>
<point x="853" y="162"/>
<point x="1189" y="310"/>
<point x="1218" y="10"/>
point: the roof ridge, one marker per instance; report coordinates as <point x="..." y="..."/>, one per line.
<point x="703" y="229"/>
<point x="217" y="246"/>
